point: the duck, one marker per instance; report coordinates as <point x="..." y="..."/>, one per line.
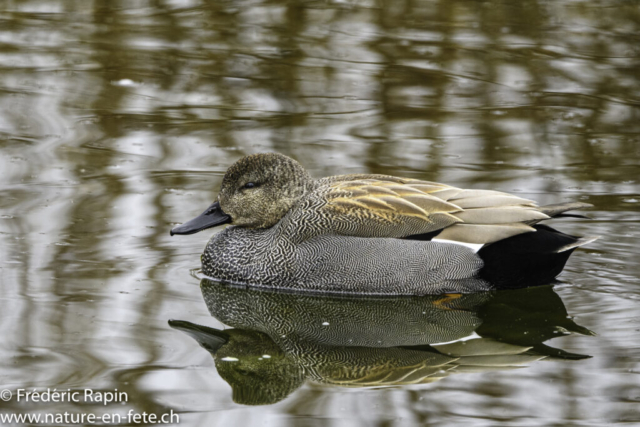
<point x="371" y="234"/>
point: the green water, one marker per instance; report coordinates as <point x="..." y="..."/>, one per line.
<point x="118" y="119"/>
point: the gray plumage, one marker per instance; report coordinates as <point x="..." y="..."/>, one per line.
<point x="335" y="264"/>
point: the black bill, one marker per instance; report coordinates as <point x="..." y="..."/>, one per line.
<point x="211" y="217"/>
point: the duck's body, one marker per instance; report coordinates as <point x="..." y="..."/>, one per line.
<point x="370" y="234"/>
<point x="337" y="264"/>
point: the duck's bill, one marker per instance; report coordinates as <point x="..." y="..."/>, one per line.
<point x="211" y="217"/>
<point x="208" y="338"/>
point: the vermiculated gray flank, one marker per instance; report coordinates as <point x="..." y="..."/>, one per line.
<point x="331" y="263"/>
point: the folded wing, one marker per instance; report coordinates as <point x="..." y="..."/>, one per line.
<point x="381" y="206"/>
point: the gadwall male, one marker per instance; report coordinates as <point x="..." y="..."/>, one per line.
<point x="374" y="234"/>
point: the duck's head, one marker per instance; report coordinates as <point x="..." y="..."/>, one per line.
<point x="256" y="192"/>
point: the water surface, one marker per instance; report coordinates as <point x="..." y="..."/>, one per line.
<point x="118" y="119"/>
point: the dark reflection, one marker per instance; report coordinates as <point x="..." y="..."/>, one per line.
<point x="281" y="339"/>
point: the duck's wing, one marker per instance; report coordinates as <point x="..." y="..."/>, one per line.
<point x="384" y="206"/>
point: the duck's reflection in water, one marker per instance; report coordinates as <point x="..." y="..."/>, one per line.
<point x="280" y="340"/>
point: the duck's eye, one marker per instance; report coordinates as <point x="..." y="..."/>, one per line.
<point x="249" y="185"/>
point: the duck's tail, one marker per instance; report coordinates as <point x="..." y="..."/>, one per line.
<point x="558" y="210"/>
<point x="510" y="217"/>
<point x="530" y="259"/>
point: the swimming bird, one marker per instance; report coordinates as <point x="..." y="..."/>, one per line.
<point x="374" y="234"/>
